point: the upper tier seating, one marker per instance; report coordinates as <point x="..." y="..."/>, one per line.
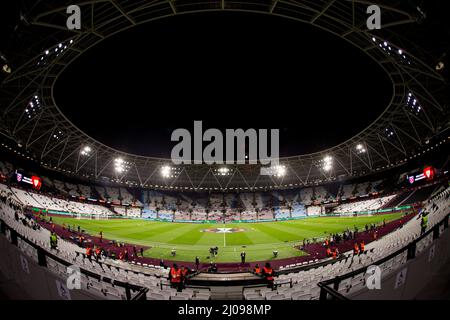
<point x="365" y="205"/>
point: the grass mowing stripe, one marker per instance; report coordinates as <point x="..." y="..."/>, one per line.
<point x="260" y="239"/>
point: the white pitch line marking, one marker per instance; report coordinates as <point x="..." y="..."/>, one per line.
<point x="224" y="240"/>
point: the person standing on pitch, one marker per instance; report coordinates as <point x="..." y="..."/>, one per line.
<point x="197" y="262"/>
<point x="243" y="254"/>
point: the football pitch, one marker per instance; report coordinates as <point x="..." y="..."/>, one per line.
<point x="258" y="240"/>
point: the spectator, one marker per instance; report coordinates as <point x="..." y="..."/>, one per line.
<point x="53" y="241"/>
<point x="268" y="274"/>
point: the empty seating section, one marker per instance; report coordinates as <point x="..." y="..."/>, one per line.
<point x="60" y="186"/>
<point x="292" y="286"/>
<point x="128" y="198"/>
<point x="347" y="191"/>
<point x="152" y="277"/>
<point x="120" y="210"/>
<point x="85" y="191"/>
<point x="304" y="283"/>
<point x="128" y="211"/>
<point x="306" y="195"/>
<point x="72" y="189"/>
<point x="362" y="206"/>
<point x="101" y="192"/>
<point x="6" y="169"/>
<point x="47" y="182"/>
<point x="44" y="202"/>
<point x="25" y="198"/>
<point x="113" y="195"/>
<point x="134" y="212"/>
<point x="313" y="210"/>
<point x="322" y="195"/>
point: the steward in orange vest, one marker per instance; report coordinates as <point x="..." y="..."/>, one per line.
<point x="184" y="273"/>
<point x="361" y="246"/>
<point x="88" y="252"/>
<point x="268" y="274"/>
<point x="355" y="249"/>
<point x="328" y="252"/>
<point x="98" y="253"/>
<point x="334" y="254"/>
<point x="257" y="269"/>
<point x="175" y="277"/>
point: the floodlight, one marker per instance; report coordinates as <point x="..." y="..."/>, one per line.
<point x="165" y="171"/>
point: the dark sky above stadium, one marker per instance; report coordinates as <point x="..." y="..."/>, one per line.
<point x="230" y="71"/>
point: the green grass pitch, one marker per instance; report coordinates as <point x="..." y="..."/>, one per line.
<point x="259" y="239"/>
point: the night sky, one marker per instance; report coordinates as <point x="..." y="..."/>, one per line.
<point x="230" y="70"/>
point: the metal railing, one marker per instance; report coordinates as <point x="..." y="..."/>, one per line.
<point x="329" y="289"/>
<point x="132" y="292"/>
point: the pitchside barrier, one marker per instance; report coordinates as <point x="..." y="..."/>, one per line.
<point x="411" y="277"/>
<point x="39" y="282"/>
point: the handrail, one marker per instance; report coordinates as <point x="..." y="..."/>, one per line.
<point x="410" y="248"/>
<point x="324" y="290"/>
<point x="42" y="253"/>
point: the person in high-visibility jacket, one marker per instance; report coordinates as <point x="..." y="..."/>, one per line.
<point x="328" y="252"/>
<point x="98" y="253"/>
<point x="355" y="249"/>
<point x="423" y="223"/>
<point x="89" y="252"/>
<point x="268" y="273"/>
<point x="334" y="254"/>
<point x="257" y="269"/>
<point x="175" y="277"/>
<point x="53" y="241"/>
<point x="361" y="247"/>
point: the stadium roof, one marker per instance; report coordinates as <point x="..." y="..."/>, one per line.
<point x="32" y="122"/>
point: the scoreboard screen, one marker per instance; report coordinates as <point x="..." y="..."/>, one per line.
<point x="34" y="181"/>
<point x="426" y="174"/>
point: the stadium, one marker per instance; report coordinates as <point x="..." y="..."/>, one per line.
<point x="360" y="214"/>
